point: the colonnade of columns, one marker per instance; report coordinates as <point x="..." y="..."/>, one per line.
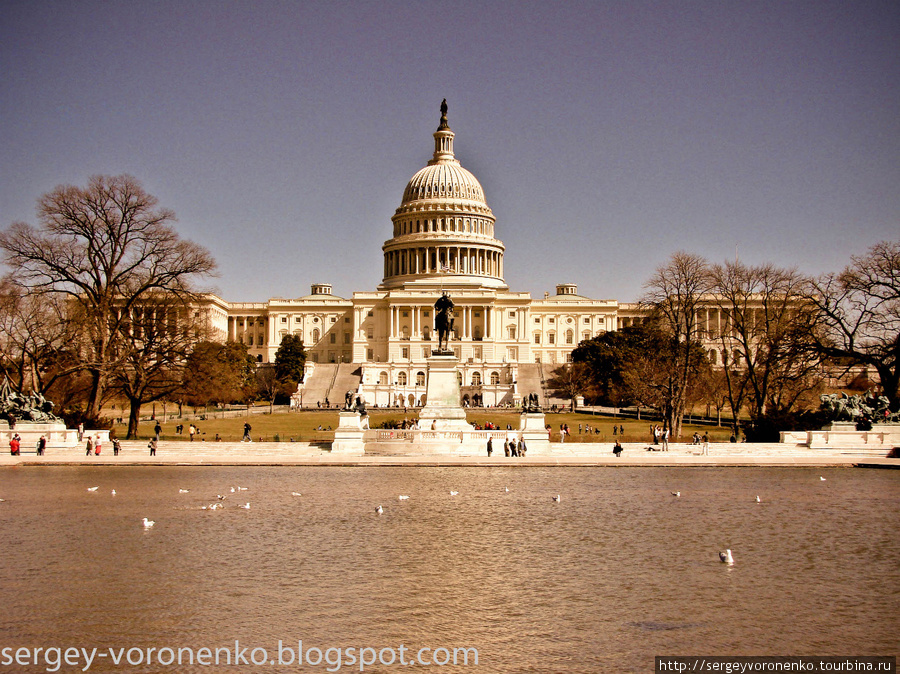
<point x="434" y="259"/>
<point x="467" y="325"/>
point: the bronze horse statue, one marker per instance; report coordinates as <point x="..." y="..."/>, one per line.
<point x="443" y="321"/>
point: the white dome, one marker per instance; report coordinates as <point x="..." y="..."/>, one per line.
<point x="444" y="180"/>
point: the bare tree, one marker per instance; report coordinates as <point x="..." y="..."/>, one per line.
<point x="767" y="337"/>
<point x="569" y="381"/>
<point x="674" y="293"/>
<point x="860" y="314"/>
<point x="106" y="248"/>
<point x="152" y="349"/>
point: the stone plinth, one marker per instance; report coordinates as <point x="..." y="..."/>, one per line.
<point x="348" y="438"/>
<point x="56" y="434"/>
<point x="443" y="409"/>
<point x="845" y="435"/>
<point x="533" y="430"/>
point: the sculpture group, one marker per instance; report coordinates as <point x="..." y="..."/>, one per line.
<point x="16" y="406"/>
<point x="841" y="407"/>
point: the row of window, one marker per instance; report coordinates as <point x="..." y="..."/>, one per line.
<point x="463" y="225"/>
<point x="384" y="379"/>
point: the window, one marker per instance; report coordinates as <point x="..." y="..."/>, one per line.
<point x="334" y="319"/>
<point x="333" y="338"/>
<point x="537" y="321"/>
<point x="371" y="333"/>
<point x="420" y="378"/>
<point x="495" y="378"/>
<point x="315" y="335"/>
<point x="512" y="314"/>
<point x="551" y="338"/>
<point x="552" y="321"/>
<point x="250" y="340"/>
<point x="369" y="314"/>
<point x="383" y="378"/>
<point x="284" y="319"/>
<point x="404" y="352"/>
<point x="587" y="321"/>
<point x="401" y="378"/>
<point x="570" y="336"/>
<point x="298" y="319"/>
<point x="346" y="337"/>
<point x="476" y="379"/>
<point x="370" y="355"/>
<point x="537" y="338"/>
<point x="511" y="329"/>
<point x="346" y="319"/>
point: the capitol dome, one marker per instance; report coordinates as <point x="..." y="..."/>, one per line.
<point x="444" y="228"/>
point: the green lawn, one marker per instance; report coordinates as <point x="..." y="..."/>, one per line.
<point x="303" y="426"/>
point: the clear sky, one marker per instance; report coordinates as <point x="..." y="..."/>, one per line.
<point x="607" y="135"/>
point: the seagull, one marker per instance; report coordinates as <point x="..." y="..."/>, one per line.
<point x="220" y="497"/>
<point x="676" y="494"/>
<point x="403" y="498"/>
<point x="113" y="492"/>
<point x="232" y="490"/>
<point x="726" y="558"/>
<point x="454" y="493"/>
<point x="506" y="488"/>
<point x="183" y="491"/>
<point x="213" y="506"/>
<point x="379" y="510"/>
<point x="243" y="488"/>
<point x="556" y="498"/>
<point x="93" y="488"/>
<point x="2" y="500"/>
<point x="148" y="523"/>
<point x="296" y="493"/>
<point x="757" y="499"/>
<point x="821" y="478"/>
<point x="246" y="506"/>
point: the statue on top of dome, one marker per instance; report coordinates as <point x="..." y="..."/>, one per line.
<point x="444" y="124"/>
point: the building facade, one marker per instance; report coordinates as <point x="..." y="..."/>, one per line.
<point x="443" y="240"/>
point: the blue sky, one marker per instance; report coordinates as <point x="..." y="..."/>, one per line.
<point x="607" y="135"/>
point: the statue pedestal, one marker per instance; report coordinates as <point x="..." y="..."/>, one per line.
<point x="533" y="430"/>
<point x="443" y="402"/>
<point x="349" y="436"/>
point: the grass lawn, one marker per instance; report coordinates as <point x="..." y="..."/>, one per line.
<point x="303" y="426"/>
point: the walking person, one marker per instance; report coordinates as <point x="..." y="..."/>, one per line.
<point x="41" y="445"/>
<point x="152" y="447"/>
<point x="97" y="445"/>
<point x="247" y="429"/>
<point x="705" y="446"/>
<point x="665" y="440"/>
<point x="89" y="447"/>
<point x="14" y="445"/>
<point x="117" y="446"/>
<point x="157" y="430"/>
<point x="192" y="430"/>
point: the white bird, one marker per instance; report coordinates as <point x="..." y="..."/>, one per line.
<point x="454" y="493"/>
<point x="296" y="493"/>
<point x="506" y="488"/>
<point x="183" y="491"/>
<point x="726" y="558"/>
<point x="402" y="497"/>
<point x="243" y="488"/>
<point x="93" y="488"/>
<point x="220" y="497"/>
<point x="113" y="492"/>
<point x="556" y="498"/>
<point x="246" y="506"/>
<point x="676" y="494"/>
<point x="757" y="499"/>
<point x="379" y="510"/>
<point x="822" y="478"/>
<point x="2" y="500"/>
<point x="232" y="490"/>
<point x="213" y="506"/>
<point x="148" y="523"/>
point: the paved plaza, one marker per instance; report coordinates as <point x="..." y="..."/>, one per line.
<point x="562" y="454"/>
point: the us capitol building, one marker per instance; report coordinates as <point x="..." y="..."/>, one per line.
<point x="377" y="343"/>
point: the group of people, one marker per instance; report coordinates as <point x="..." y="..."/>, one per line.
<point x="93" y="446"/>
<point x="660" y="436"/>
<point x="511" y="447"/>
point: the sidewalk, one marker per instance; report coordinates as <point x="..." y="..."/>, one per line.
<point x="568" y="454"/>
